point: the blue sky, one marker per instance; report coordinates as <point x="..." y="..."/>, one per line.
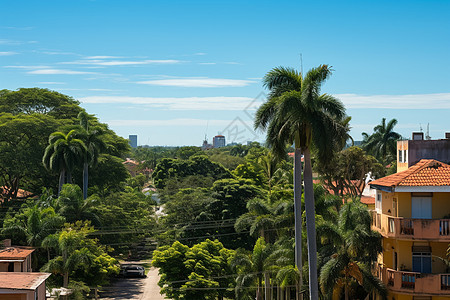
<point x="173" y="71"/>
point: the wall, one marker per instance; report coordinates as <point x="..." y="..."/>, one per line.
<point x="441" y="205"/>
<point x="404" y="204"/>
<point x="432" y="149"/>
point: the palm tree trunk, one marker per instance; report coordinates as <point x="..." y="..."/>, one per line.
<point x="310" y="227"/>
<point x="266" y="286"/>
<point x="85" y="180"/>
<point x="69" y="177"/>
<point x="298" y="210"/>
<point x="66" y="279"/>
<point x="62" y="176"/>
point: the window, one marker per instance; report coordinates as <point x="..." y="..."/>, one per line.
<point x="421" y="262"/>
<point x="400" y="156"/>
<point x="378" y="201"/>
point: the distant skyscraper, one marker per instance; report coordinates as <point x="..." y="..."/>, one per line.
<point x="133" y="140"/>
<point x="219" y="141"/>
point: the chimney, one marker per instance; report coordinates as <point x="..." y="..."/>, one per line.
<point x="417" y="136"/>
<point x="447" y="135"/>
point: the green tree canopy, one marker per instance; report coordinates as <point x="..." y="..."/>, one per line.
<point x="199" y="272"/>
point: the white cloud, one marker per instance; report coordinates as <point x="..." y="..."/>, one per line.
<point x="6" y="53"/>
<point x="200" y="53"/>
<point x="27" y="67"/>
<point x="199" y="82"/>
<point x="207" y="63"/>
<point x="187" y="103"/>
<point x="57" y="72"/>
<point x="101" y="57"/>
<point x="51" y="82"/>
<point x="102" y="62"/>
<point x="418" y="101"/>
<point x="173" y="122"/>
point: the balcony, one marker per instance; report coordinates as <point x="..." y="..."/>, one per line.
<point x="411" y="229"/>
<point x="415" y="283"/>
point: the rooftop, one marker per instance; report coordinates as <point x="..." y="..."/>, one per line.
<point x="15" y="253"/>
<point x="22" y="281"/>
<point x="427" y="172"/>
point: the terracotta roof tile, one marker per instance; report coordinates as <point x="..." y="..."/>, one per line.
<point x="427" y="172"/>
<point x="22" y="281"/>
<point x="15" y="253"/>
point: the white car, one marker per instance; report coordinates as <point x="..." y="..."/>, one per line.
<point x="133" y="271"/>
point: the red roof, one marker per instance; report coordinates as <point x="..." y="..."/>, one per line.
<point x="367" y="200"/>
<point x="22" y="281"/>
<point x="15" y="253"/>
<point x="427" y="172"/>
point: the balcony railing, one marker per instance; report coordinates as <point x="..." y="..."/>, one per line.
<point x="402" y="228"/>
<point x="413" y="282"/>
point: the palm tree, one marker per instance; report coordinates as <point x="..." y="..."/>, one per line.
<point x="251" y="268"/>
<point x="73" y="207"/>
<point x="296" y="113"/>
<point x="62" y="154"/>
<point x="94" y="145"/>
<point x="382" y="143"/>
<point x="349" y="250"/>
<point x="72" y="256"/>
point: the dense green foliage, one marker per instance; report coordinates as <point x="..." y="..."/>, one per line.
<point x="223" y="218"/>
<point x="200" y="272"/>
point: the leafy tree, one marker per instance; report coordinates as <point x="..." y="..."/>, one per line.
<point x="62" y="154"/>
<point x="108" y="176"/>
<point x="79" y="256"/>
<point x="187" y="152"/>
<point x="197" y="165"/>
<point x="296" y="113"/>
<point x="39" y="101"/>
<point x="382" y="142"/>
<point x="199" y="272"/>
<point x="348" y="252"/>
<point x="247" y="171"/>
<point x="22" y="142"/>
<point x="229" y="201"/>
<point x="346" y="173"/>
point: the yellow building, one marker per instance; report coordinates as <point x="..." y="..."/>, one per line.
<point x="412" y="212"/>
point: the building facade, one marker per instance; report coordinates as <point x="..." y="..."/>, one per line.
<point x="412" y="213"/>
<point x="219" y="141"/>
<point x="410" y="152"/>
<point x="133" y="140"/>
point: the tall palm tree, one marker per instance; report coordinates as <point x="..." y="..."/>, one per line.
<point x="92" y="138"/>
<point x="382" y="143"/>
<point x="62" y="154"/>
<point x="296" y="113"/>
<point x="349" y="250"/>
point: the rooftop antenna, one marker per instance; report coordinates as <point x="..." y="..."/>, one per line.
<point x="420" y="127"/>
<point x="206" y="131"/>
<point x="427" y="135"/>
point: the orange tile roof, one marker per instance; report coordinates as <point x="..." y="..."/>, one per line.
<point x="367" y="200"/>
<point x="22" y="281"/>
<point x="427" y="172"/>
<point x="15" y="253"/>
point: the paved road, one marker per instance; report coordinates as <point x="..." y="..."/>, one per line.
<point x="134" y="288"/>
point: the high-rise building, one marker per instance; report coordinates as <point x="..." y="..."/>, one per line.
<point x="219" y="141"/>
<point x="133" y="140"/>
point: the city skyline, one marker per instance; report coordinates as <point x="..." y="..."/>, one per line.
<point x="174" y="72"/>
